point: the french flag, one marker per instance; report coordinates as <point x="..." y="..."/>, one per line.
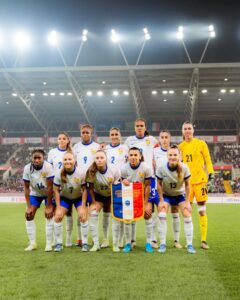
<point x="127" y="201"/>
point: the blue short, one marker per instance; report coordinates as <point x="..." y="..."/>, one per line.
<point x="153" y="196"/>
<point x="37" y="201"/>
<point x="174" y="200"/>
<point x="67" y="203"/>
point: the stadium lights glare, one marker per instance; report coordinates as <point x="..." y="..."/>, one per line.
<point x="69" y="93"/>
<point x="99" y="93"/>
<point x="7" y="102"/>
<point x="219" y="99"/>
<point x="22" y="40"/>
<point x="52" y="94"/>
<point x="45" y="94"/>
<point x="211" y="31"/>
<point x="232" y="91"/>
<point x="165" y="92"/>
<point x="164" y="80"/>
<point x="225" y="79"/>
<point x="44" y="83"/>
<point x="61" y="94"/>
<point x="147" y="35"/>
<point x="210" y="28"/>
<point x="180" y="34"/>
<point x="84" y="35"/>
<point x="223" y="91"/>
<point x="154" y="92"/>
<point x="89" y="93"/>
<point x="145" y="30"/>
<point x="114" y="36"/>
<point x="32" y="94"/>
<point x="126" y="93"/>
<point x="204" y="91"/>
<point x="171" y="92"/>
<point x="212" y="34"/>
<point x="14" y="94"/>
<point x="185" y="91"/>
<point x="103" y="82"/>
<point x="165" y="100"/>
<point x="53" y="38"/>
<point x="111" y="101"/>
<point x="115" y="93"/>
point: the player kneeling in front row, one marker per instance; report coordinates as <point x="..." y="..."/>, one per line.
<point x="71" y="181"/>
<point x="38" y="186"/>
<point x="171" y="179"/>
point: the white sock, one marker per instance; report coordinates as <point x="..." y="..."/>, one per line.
<point x="93" y="223"/>
<point x="79" y="231"/>
<point x="58" y="233"/>
<point x="149" y="229"/>
<point x="105" y="224"/>
<point x="176" y="226"/>
<point x="49" y="231"/>
<point x="155" y="221"/>
<point x="188" y="228"/>
<point x="121" y="233"/>
<point x="162" y="227"/>
<point x="115" y="231"/>
<point x="69" y="228"/>
<point x="31" y="231"/>
<point x="85" y="230"/>
<point x="134" y="231"/>
<point x="128" y="232"/>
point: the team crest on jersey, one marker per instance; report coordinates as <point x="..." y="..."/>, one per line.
<point x="120" y="151"/>
<point x="110" y="180"/>
<point x="147" y="142"/>
<point x="43" y="174"/>
<point x="141" y="174"/>
<point x="93" y="151"/>
<point x="76" y="180"/>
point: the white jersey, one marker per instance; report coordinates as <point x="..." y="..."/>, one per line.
<point x="146" y="145"/>
<point x="73" y="188"/>
<point x="138" y="174"/>
<point x="160" y="156"/>
<point x="171" y="184"/>
<point x="103" y="181"/>
<point x="116" y="155"/>
<point x="85" y="154"/>
<point x="38" y="178"/>
<point x="55" y="157"/>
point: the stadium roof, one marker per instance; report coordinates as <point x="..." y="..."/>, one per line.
<point x="46" y="100"/>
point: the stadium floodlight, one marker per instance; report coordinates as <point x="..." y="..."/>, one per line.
<point x="14" y="94"/>
<point x="89" y="93"/>
<point x="103" y="82"/>
<point x="22" y="40"/>
<point x="145" y="30"/>
<point x="223" y="91"/>
<point x="212" y="34"/>
<point x="125" y="93"/>
<point x="114" y="36"/>
<point x="99" y="93"/>
<point x="53" y="38"/>
<point x="154" y="92"/>
<point x="164" y="80"/>
<point x="53" y="94"/>
<point x="211" y="31"/>
<point x="232" y="91"/>
<point x="45" y="94"/>
<point x="219" y="99"/>
<point x="210" y="28"/>
<point x="115" y="93"/>
<point x="165" y="100"/>
<point x="180" y="34"/>
<point x="165" y="92"/>
<point x="185" y="91"/>
<point x="69" y="93"/>
<point x="171" y="92"/>
<point x="84" y="35"/>
<point x="180" y="28"/>
<point x="44" y="83"/>
<point x="204" y="91"/>
<point x="147" y="35"/>
<point x="61" y="94"/>
<point x="111" y="101"/>
<point x="32" y="94"/>
<point x="7" y="102"/>
<point x="225" y="79"/>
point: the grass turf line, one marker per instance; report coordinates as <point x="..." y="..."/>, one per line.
<point x="212" y="274"/>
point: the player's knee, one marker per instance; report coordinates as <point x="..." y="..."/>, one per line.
<point x="202" y="210"/>
<point x="94" y="213"/>
<point x="162" y="216"/>
<point x="69" y="213"/>
<point x="29" y="217"/>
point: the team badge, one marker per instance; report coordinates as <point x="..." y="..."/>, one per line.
<point x="43" y="174"/>
<point x="120" y="151"/>
<point x="76" y="180"/>
<point x="147" y="142"/>
<point x="141" y="174"/>
<point x="93" y="151"/>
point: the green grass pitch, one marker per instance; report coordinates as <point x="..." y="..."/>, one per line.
<point x="71" y="274"/>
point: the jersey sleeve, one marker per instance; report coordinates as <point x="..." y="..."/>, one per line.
<point x="148" y="173"/>
<point x="207" y="158"/>
<point x="57" y="179"/>
<point x="26" y="174"/>
<point x="186" y="172"/>
<point x="159" y="173"/>
<point x="50" y="157"/>
<point x="127" y="143"/>
<point x="117" y="175"/>
<point x="124" y="172"/>
<point x="50" y="171"/>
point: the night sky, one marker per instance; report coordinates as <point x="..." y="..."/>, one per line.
<point x="162" y="18"/>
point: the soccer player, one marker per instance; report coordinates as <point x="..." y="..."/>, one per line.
<point x="99" y="178"/>
<point x="160" y="158"/>
<point x="69" y="189"/>
<point x="84" y="152"/>
<point x="196" y="155"/>
<point x="145" y="143"/>
<point x="138" y="171"/>
<point x="55" y="157"/>
<point x="116" y="157"/>
<point x="172" y="176"/>
<point x="38" y="186"/>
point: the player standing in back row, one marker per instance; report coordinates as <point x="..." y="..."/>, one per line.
<point x="196" y="155"/>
